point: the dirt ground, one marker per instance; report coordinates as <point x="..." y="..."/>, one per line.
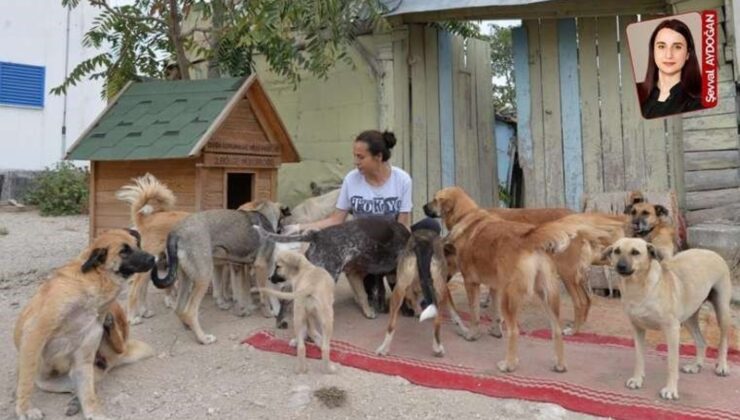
<point x="185" y="380"/>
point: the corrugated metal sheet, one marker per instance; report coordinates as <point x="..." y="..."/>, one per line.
<point x="22" y="85"/>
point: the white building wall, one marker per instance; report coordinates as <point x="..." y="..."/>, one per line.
<point x="34" y="32"/>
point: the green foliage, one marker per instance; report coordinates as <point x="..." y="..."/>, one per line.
<point x="502" y="67"/>
<point x="61" y="190"/>
<point x="503" y="195"/>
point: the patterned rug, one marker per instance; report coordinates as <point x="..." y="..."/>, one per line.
<point x="598" y="366"/>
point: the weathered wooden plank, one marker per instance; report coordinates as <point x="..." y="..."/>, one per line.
<point x="92" y="182"/>
<point x="726" y="212"/>
<point x="710" y="199"/>
<point x="525" y="147"/>
<point x="611" y="115"/>
<point x="695" y="5"/>
<point x="446" y="116"/>
<point x="402" y="151"/>
<point x="724" y="106"/>
<point x="434" y="169"/>
<point x="593" y="181"/>
<point x="696" y="161"/>
<point x="466" y="144"/>
<point x="484" y="123"/>
<point x="732" y="25"/>
<point x="633" y="143"/>
<point x="675" y="150"/>
<point x="536" y="184"/>
<point x="716" y="139"/>
<point x="419" y="118"/>
<point x="708" y="122"/>
<point x="551" y="115"/>
<point x="712" y="179"/>
<point x="570" y="113"/>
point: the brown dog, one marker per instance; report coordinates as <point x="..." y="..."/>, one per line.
<point x="511" y="258"/>
<point x="571" y="264"/>
<point x="651" y="223"/>
<point x="313" y="304"/>
<point x="59" y="331"/>
<point x="665" y="294"/>
<point x="152" y="215"/>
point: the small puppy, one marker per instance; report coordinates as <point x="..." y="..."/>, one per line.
<point x="313" y="304"/>
<point x="116" y="349"/>
<point x="59" y="331"/>
<point x="651" y="223"/>
<point x="664" y="295"/>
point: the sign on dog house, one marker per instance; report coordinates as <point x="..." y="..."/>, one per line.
<point x="216" y="144"/>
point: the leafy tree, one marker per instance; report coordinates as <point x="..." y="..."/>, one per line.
<point x="294" y="36"/>
<point x="502" y="67"/>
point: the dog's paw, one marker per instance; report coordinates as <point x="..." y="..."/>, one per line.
<point x="169" y="302"/>
<point x="222" y="304"/>
<point x="73" y="407"/>
<point x="241" y="311"/>
<point x="722" y="369"/>
<point x="559" y="368"/>
<point x="438" y="351"/>
<point x="691" y="368"/>
<point x="267" y="312"/>
<point x="505" y="366"/>
<point x="495" y="330"/>
<point x="330" y="368"/>
<point x="568" y="331"/>
<point x="634" y="382"/>
<point x="382" y="350"/>
<point x="293" y="342"/>
<point x="31" y="414"/>
<point x="472" y="335"/>
<point x="370" y="314"/>
<point x="208" y="339"/>
<point x="135" y="320"/>
<point x="148" y="313"/>
<point x="669" y="393"/>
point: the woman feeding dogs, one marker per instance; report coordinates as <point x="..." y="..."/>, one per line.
<point x="373" y="188"/>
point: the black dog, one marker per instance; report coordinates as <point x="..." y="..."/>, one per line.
<point x="359" y="247"/>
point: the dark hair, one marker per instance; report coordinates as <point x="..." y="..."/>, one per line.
<point x="378" y="143"/>
<point x="690" y="73"/>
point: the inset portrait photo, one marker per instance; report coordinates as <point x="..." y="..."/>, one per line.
<point x="675" y="61"/>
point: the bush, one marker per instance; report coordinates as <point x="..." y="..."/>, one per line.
<point x="60" y="191"/>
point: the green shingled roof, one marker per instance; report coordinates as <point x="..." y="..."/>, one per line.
<point x="156" y="120"/>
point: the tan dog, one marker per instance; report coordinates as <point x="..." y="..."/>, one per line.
<point x="59" y="331"/>
<point x="511" y="258"/>
<point x="152" y="215"/>
<point x="313" y="304"/>
<point x="651" y="223"/>
<point x="571" y="264"/>
<point x="663" y="295"/>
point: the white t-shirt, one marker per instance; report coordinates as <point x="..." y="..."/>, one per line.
<point x="362" y="199"/>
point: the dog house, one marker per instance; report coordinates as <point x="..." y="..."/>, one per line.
<point x="216" y="144"/>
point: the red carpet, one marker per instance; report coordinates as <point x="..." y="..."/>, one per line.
<point x="598" y="367"/>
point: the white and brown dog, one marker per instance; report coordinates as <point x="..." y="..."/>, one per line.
<point x="662" y="295"/>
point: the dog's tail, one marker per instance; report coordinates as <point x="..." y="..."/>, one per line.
<point x="146" y="196"/>
<point x="172" y="263"/>
<point x="285" y="295"/>
<point x="424" y="251"/>
<point x="596" y="228"/>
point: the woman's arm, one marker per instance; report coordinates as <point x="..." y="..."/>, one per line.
<point x="335" y="218"/>
<point x="404" y="218"/>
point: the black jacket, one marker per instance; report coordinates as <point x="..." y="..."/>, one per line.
<point x="678" y="101"/>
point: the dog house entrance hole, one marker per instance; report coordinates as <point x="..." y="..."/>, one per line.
<point x="238" y="189"/>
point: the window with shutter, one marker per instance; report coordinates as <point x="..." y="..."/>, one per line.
<point x="22" y="85"/>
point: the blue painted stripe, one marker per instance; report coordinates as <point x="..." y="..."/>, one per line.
<point x="21" y="84"/>
<point x="570" y="111"/>
<point x="446" y="119"/>
<point x="523" y="94"/>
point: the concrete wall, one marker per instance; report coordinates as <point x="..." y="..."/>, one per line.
<point x="34" y="32"/>
<point x="323" y="117"/>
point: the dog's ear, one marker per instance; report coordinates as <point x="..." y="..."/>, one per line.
<point x="285" y="211"/>
<point x="96" y="258"/>
<point x="654" y="252"/>
<point x="607" y="253"/>
<point x="108" y="322"/>
<point x="628" y="209"/>
<point x="136" y="235"/>
<point x="636" y="197"/>
<point x="660" y="210"/>
<point x="449" y="248"/>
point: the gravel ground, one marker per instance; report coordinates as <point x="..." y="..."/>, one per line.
<point x="223" y="380"/>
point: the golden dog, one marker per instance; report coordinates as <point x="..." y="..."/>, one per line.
<point x="663" y="295"/>
<point x="59" y="331"/>
<point x="511" y="258"/>
<point x="313" y="304"/>
<point x="152" y="215"/>
<point x="650" y="222"/>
